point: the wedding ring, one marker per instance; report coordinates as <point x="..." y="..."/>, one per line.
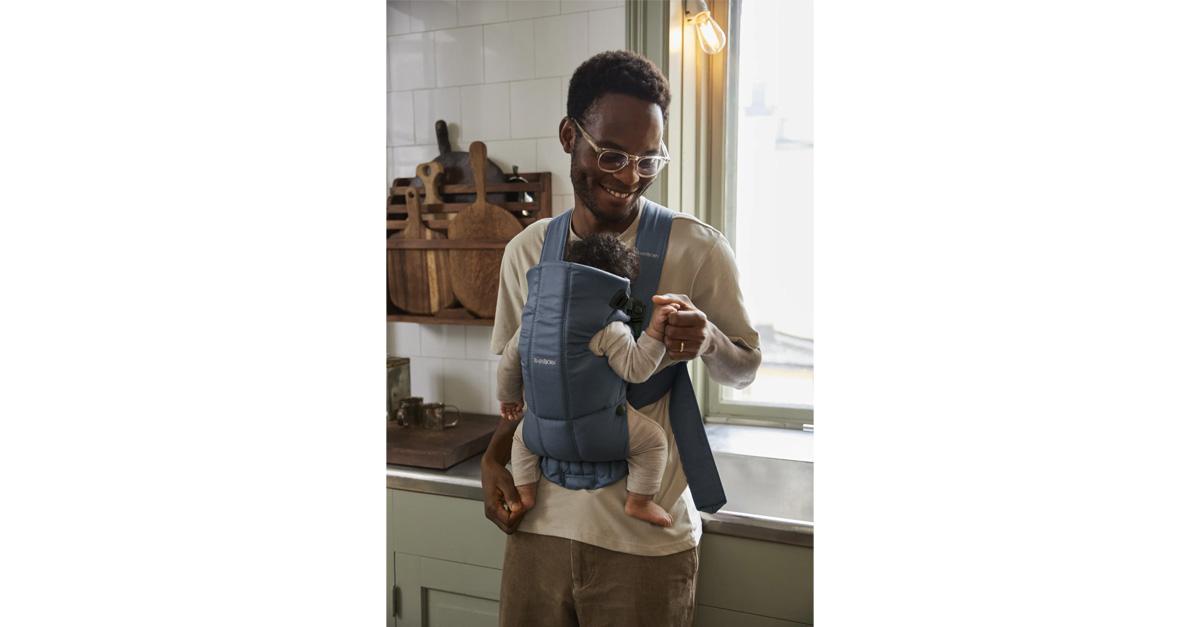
<point x="681" y="346"/>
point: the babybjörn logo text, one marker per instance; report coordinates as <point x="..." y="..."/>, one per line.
<point x="544" y="362"/>
<point x="646" y="254"/>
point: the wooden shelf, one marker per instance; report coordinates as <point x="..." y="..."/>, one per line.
<point x="473" y="322"/>
<point x="535" y="204"/>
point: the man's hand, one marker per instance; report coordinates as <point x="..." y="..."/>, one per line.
<point x="687" y="334"/>
<point x="501" y="501"/>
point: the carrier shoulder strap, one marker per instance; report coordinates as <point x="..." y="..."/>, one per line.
<point x="687" y="423"/>
<point x="557" y="233"/>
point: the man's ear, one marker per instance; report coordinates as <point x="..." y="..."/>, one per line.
<point x="566" y="135"/>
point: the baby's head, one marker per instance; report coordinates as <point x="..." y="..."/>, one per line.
<point x="606" y="252"/>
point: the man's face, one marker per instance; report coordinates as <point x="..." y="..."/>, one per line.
<point x="625" y="123"/>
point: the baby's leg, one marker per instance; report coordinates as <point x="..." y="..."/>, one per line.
<point x="525" y="470"/>
<point x="647" y="461"/>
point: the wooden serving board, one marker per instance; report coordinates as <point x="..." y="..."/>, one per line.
<point x="413" y="446"/>
<point x="419" y="280"/>
<point x="475" y="274"/>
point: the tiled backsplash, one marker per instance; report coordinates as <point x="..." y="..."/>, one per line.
<point x="496" y="72"/>
<point x="450" y="363"/>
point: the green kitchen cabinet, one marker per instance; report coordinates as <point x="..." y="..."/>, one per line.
<point x="445" y="559"/>
<point x="761" y="579"/>
<point x="437" y="593"/>
<point x="444" y="527"/>
<point x="392" y="590"/>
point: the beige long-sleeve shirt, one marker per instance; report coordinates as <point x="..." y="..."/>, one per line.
<point x="699" y="263"/>
<point x="633" y="360"/>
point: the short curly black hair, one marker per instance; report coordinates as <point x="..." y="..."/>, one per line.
<point x="616" y="72"/>
<point x="606" y="252"/>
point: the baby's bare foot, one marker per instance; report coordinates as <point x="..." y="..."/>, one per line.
<point x="641" y="507"/>
<point x="528" y="494"/>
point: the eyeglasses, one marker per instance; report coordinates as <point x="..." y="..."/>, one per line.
<point x="613" y="160"/>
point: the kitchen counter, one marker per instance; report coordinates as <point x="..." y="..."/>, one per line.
<point x="767" y="474"/>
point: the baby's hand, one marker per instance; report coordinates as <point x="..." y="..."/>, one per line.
<point x="658" y="321"/>
<point x="512" y="410"/>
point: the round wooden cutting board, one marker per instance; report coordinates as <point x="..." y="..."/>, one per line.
<point x="475" y="273"/>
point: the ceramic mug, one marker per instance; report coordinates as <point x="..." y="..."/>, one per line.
<point x="411" y="410"/>
<point x="433" y="416"/>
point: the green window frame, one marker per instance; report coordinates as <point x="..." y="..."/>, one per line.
<point x="702" y="175"/>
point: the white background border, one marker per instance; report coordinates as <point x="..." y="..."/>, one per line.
<point x="193" y="344"/>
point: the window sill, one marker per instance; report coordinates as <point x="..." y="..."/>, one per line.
<point x="761" y="441"/>
<point x="767" y="474"/>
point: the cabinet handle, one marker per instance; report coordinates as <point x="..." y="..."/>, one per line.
<point x="395" y="601"/>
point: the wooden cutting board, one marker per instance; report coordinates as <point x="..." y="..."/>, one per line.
<point x="412" y="446"/>
<point x="475" y="274"/>
<point x="418" y="280"/>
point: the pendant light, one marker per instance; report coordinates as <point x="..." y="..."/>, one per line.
<point x="712" y="38"/>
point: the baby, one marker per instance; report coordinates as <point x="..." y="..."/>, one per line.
<point x="632" y="360"/>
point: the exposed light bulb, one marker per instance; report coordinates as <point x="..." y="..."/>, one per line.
<point x="712" y="38"/>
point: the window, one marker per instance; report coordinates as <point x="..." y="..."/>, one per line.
<point x="766" y="211"/>
<point x="740" y="129"/>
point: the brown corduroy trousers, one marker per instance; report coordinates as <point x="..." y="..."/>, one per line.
<point x="556" y="582"/>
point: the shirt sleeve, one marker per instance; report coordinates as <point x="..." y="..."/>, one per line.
<point x="509" y="387"/>
<point x="633" y="361"/>
<point x="510" y="299"/>
<point x="717" y="292"/>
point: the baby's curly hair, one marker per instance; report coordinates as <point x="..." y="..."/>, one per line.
<point x="619" y="72"/>
<point x="606" y="252"/>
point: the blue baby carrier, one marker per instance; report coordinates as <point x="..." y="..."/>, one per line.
<point x="575" y="403"/>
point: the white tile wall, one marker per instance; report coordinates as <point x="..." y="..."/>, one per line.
<point x="400" y="118"/>
<point x="398" y="20"/>
<point x="485" y="111"/>
<point x="432" y="105"/>
<point x="606" y="30"/>
<point x="459" y="56"/>
<point x="478" y="341"/>
<point x="572" y="6"/>
<point x="552" y="159"/>
<point x="433" y="14"/>
<point x="560" y="44"/>
<point x="425" y="378"/>
<point x="410" y="62"/>
<point x="525" y="9"/>
<point x="495" y="71"/>
<point x="405" y="159"/>
<point x="443" y="340"/>
<point x="466" y="386"/>
<point x="481" y="12"/>
<point x="537" y="107"/>
<point x="404" y="339"/>
<point x="518" y="152"/>
<point x="508" y="51"/>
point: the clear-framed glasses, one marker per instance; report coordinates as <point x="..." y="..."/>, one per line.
<point x="613" y="160"/>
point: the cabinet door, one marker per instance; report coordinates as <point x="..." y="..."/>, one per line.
<point x="392" y="590"/>
<point x="437" y="593"/>
<point x="755" y="577"/>
<point x="444" y="528"/>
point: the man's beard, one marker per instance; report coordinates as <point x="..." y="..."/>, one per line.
<point x="584" y="187"/>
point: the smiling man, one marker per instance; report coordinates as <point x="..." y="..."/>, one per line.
<point x="576" y="557"/>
